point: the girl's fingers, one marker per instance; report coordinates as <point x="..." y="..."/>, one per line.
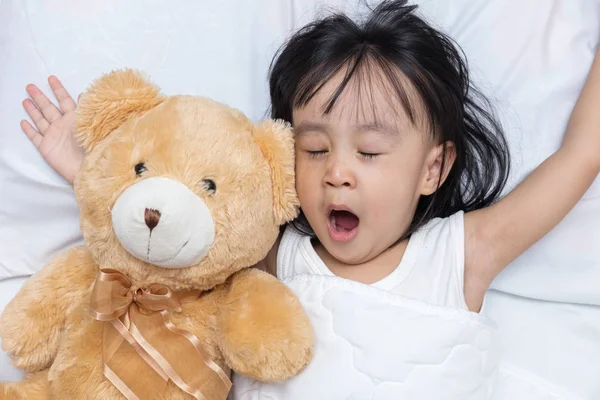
<point x="48" y="109"/>
<point x="36" y="116"/>
<point x="65" y="101"/>
<point x="33" y="135"/>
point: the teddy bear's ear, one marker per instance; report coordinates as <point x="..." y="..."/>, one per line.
<point x="110" y="101"/>
<point x="276" y="141"/>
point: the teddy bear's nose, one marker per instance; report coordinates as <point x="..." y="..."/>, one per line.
<point x="151" y="217"/>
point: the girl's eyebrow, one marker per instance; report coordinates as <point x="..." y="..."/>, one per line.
<point x="310" y="126"/>
<point x="318" y="127"/>
<point x="378" y="127"/>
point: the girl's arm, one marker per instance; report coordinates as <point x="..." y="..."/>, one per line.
<point x="53" y="134"/>
<point x="269" y="264"/>
<point x="497" y="235"/>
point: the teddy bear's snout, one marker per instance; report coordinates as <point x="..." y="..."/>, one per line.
<point x="162" y="222"/>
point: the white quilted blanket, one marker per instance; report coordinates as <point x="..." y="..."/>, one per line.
<point x="375" y="345"/>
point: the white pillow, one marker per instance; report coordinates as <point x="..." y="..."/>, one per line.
<point x="217" y="49"/>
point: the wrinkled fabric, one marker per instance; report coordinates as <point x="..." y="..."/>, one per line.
<point x="371" y="344"/>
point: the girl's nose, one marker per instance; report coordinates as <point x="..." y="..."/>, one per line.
<point x="339" y="174"/>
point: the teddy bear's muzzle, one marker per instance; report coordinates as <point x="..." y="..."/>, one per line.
<point x="162" y="222"/>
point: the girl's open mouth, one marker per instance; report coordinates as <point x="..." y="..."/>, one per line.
<point x="343" y="225"/>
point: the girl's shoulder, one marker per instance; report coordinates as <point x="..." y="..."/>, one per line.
<point x="444" y="227"/>
<point x="440" y="246"/>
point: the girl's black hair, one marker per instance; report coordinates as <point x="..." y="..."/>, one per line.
<point x="394" y="39"/>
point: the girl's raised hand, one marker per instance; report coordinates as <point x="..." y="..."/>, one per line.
<point x="54" y="132"/>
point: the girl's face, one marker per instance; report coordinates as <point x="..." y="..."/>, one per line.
<point x="361" y="169"/>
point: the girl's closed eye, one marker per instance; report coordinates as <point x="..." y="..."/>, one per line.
<point x="368" y="154"/>
<point x="312" y="145"/>
<point x="316" y="153"/>
<point x="369" y="150"/>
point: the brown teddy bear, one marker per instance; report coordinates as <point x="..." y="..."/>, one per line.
<point x="179" y="195"/>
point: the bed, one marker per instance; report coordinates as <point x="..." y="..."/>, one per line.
<point x="530" y="56"/>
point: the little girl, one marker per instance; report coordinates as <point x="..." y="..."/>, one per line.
<point x="399" y="165"/>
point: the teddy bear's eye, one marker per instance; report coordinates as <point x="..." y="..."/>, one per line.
<point x="209" y="185"/>
<point x="140" y="168"/>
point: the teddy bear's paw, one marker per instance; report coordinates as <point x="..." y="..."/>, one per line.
<point x="29" y="356"/>
<point x="31" y="362"/>
<point x="290" y="360"/>
<point x="274" y="361"/>
<point x="265" y="333"/>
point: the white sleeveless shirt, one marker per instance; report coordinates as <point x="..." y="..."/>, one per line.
<point x="431" y="270"/>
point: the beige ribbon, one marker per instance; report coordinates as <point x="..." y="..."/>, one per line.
<point x="143" y="350"/>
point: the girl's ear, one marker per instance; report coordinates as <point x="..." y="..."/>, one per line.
<point x="109" y="102"/>
<point x="276" y="141"/>
<point x="437" y="167"/>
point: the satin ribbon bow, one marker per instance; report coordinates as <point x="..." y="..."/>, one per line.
<point x="142" y="350"/>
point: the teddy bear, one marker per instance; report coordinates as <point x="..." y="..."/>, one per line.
<point x="180" y="197"/>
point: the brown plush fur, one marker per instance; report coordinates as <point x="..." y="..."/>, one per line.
<point x="116" y="97"/>
<point x="249" y="321"/>
<point x="276" y="143"/>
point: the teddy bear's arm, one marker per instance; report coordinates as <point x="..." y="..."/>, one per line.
<point x="32" y="322"/>
<point x="264" y="331"/>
